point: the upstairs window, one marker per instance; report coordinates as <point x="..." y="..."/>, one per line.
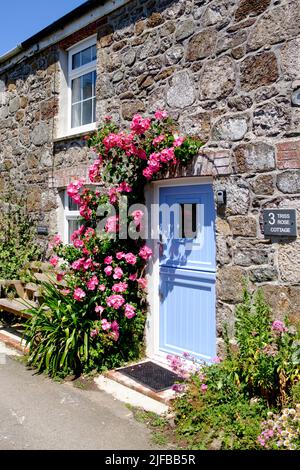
<point x="82" y="86"/>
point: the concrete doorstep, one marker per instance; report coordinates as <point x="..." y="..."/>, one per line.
<point x="112" y="382"/>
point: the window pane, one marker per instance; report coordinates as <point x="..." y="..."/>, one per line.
<point x="76" y="115"/>
<point x="188" y="222"/>
<point x="86" y="56"/>
<point x="87" y="112"/>
<point x="94" y="83"/>
<point x="87" y="86"/>
<point x="73" y="225"/>
<point x="76" y="60"/>
<point x="72" y="205"/>
<point x="94" y="110"/>
<point x="94" y="52"/>
<point x="76" y="90"/>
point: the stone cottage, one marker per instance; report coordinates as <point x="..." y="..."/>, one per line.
<point x="227" y="71"/>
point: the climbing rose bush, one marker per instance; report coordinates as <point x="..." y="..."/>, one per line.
<point x="102" y="273"/>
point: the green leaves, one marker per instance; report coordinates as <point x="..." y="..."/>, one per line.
<point x="56" y="334"/>
<point x="17" y="240"/>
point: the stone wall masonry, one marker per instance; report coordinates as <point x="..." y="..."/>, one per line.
<point x="27" y="108"/>
<point x="226" y="70"/>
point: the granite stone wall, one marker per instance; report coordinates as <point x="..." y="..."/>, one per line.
<point x="227" y="71"/>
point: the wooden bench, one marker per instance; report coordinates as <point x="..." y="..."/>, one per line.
<point x="18" y="306"/>
<point x="28" y="294"/>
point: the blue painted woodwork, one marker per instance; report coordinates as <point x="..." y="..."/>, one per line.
<point x="187" y="273"/>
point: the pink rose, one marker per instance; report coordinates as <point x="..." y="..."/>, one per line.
<point x="105" y="324"/>
<point x="77" y="265"/>
<point x="124" y="187"/>
<point x="99" y="309"/>
<point x="60" y="276"/>
<point x="118" y="273"/>
<point x="54" y="261"/>
<point x="142" y="282"/>
<point x="129" y="311"/>
<point x="65" y="291"/>
<point x="120" y="287"/>
<point x="94" y="171"/>
<point x="132" y="277"/>
<point x="88" y="264"/>
<point x="74" y="187"/>
<point x="178" y="142"/>
<point x="92" y="283"/>
<point x="154" y="166"/>
<point x="85" y="212"/>
<point x="77" y="233"/>
<point x="77" y="199"/>
<point x="158" y="139"/>
<point x="102" y="287"/>
<point x="148" y="173"/>
<point x="139" y="125"/>
<point x="120" y="255"/>
<point x="108" y="260"/>
<point x="167" y="154"/>
<point x="90" y="232"/>
<point x="203" y="388"/>
<point x="115" y="301"/>
<point x="94" y="333"/>
<point x="78" y="243"/>
<point x="112" y="195"/>
<point x="130" y="258"/>
<point x="160" y="115"/>
<point x="108" y="270"/>
<point x="137" y="216"/>
<point x="145" y="252"/>
<point x="112" y="224"/>
<point x="114" y="334"/>
<point x="79" y="294"/>
<point x="56" y="240"/>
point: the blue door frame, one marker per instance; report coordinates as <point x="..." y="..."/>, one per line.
<point x="187" y="270"/>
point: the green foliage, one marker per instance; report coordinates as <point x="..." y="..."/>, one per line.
<point x="295" y="392"/>
<point x="224" y="403"/>
<point x="216" y="421"/>
<point x="17" y="241"/>
<point x="267" y="360"/>
<point x="60" y="340"/>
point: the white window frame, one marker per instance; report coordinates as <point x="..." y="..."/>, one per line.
<point x="72" y="74"/>
<point x="68" y="215"/>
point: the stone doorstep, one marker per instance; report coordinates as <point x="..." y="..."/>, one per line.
<point x="163" y="397"/>
<point x="13" y="341"/>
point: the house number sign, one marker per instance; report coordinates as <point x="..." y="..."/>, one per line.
<point x="280" y="223"/>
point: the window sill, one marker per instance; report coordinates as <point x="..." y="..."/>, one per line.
<point x="77" y="134"/>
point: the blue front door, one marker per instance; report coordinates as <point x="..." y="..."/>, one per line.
<point x="187" y="269"/>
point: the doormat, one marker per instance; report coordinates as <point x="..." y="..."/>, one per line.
<point x="151" y="375"/>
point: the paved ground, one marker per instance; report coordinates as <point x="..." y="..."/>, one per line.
<point x="37" y="413"/>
